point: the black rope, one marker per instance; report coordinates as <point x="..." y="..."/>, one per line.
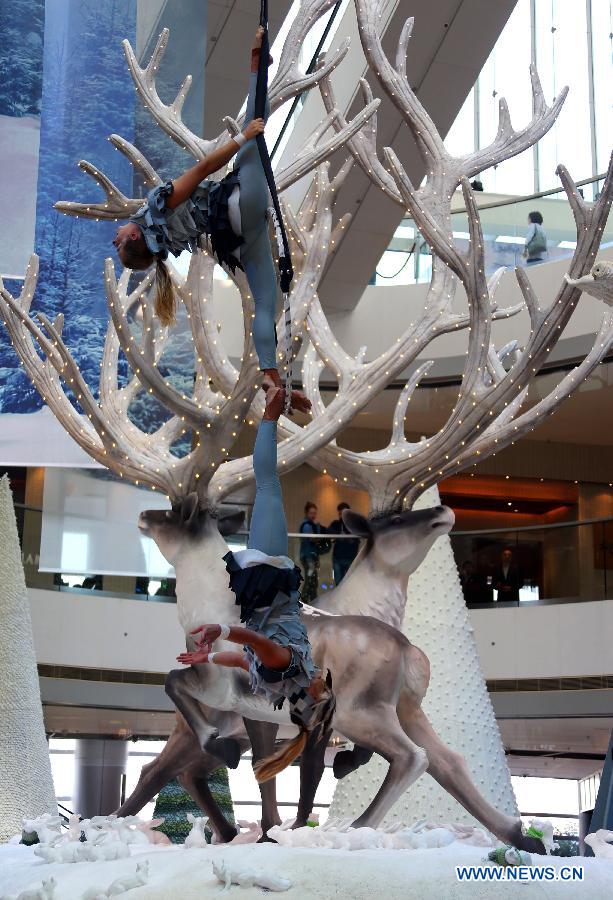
<point x="286" y="272"/>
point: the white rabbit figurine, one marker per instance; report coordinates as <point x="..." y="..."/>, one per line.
<point x="154" y="837"/>
<point x="69" y="852"/>
<point x="129" y="882"/>
<point x="46" y="827"/>
<point x="600" y="842"/>
<point x="46" y="892"/>
<point x="120" y="885"/>
<point x="196" y="838"/>
<point x="229" y="875"/>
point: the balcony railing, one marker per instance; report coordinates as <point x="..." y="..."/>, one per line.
<point x="504" y="220"/>
<point x="559" y="563"/>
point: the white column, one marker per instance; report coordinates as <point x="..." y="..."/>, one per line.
<point x="457" y="702"/>
<point x="26" y="785"/>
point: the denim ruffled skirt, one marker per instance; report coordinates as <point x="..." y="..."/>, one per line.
<point x="204" y="214"/>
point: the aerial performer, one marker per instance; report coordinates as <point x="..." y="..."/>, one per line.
<point x="275" y="647"/>
<point x="232" y="213"/>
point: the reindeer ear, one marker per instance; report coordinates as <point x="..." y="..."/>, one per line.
<point x="190" y="508"/>
<point x="357" y="524"/>
<point x="230" y="521"/>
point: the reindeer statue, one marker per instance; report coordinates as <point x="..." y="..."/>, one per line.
<point x="379" y="677"/>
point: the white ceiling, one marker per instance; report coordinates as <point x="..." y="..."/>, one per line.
<point x="231" y="25"/>
<point x="579" y="420"/>
<point x="552" y="737"/>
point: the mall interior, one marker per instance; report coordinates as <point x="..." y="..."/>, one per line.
<point x="533" y="536"/>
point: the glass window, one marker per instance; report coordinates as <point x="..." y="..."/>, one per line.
<point x="461" y="136"/>
<point x="562" y="59"/>
<point x="602" y="50"/>
<point x="507" y="74"/>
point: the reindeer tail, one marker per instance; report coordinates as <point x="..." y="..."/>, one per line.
<point x="313" y="717"/>
<point x="268" y="768"/>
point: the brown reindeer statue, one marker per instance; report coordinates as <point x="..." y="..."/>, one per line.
<point x="379" y="677"/>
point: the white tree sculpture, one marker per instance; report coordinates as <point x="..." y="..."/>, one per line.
<point x="492" y="408"/>
<point x="457" y="702"/>
<point x="26" y="784"/>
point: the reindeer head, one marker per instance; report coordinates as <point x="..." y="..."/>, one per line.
<point x="401" y="539"/>
<point x="186" y="523"/>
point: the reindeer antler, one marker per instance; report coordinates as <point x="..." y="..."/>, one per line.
<point x="488" y="408"/>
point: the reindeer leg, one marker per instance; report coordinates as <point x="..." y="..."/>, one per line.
<point x="378" y="729"/>
<point x="450" y="770"/>
<point x="195" y="781"/>
<point x="184" y="688"/>
<point x="312" y="767"/>
<point x="153" y="777"/>
<point x="262" y="736"/>
<point x="156" y="774"/>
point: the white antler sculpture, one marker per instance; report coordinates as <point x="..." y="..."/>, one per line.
<point x="223" y="394"/>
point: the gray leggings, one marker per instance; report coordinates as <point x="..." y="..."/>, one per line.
<point x="256" y="252"/>
<point x="268" y="531"/>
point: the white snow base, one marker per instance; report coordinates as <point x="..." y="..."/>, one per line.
<point x="179" y="874"/>
<point x="457" y="702"/>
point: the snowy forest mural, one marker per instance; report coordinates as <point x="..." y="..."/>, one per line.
<point x="63" y="60"/>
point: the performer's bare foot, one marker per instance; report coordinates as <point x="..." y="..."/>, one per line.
<point x="275" y="403"/>
<point x="298" y="400"/>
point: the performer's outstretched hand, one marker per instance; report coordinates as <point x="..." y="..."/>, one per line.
<point x="208" y="634"/>
<point x="196" y="658"/>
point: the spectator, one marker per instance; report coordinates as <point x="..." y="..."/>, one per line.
<point x="345" y="551"/>
<point x="310" y="551"/>
<point x="536" y="238"/>
<point x="507" y="578"/>
<point x="472" y="584"/>
<point x="92" y="583"/>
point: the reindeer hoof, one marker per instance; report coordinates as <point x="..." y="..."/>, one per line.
<point x="343" y="764"/>
<point x="227" y="750"/>
<point x="347" y="761"/>
<point x="525" y="842"/>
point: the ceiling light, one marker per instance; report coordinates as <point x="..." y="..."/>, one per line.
<point x="510" y="239"/>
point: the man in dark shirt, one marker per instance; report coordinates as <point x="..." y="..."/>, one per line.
<point x="508" y="579"/>
<point x="344" y="551"/>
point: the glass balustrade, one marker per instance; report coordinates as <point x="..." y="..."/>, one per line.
<point x="564" y="563"/>
<point x="504" y="222"/>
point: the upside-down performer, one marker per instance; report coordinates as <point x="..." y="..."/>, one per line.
<point x="232" y="213"/>
<point x="276" y="651"/>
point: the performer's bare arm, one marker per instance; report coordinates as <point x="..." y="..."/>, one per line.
<point x="185" y="185"/>
<point x="270" y="654"/>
